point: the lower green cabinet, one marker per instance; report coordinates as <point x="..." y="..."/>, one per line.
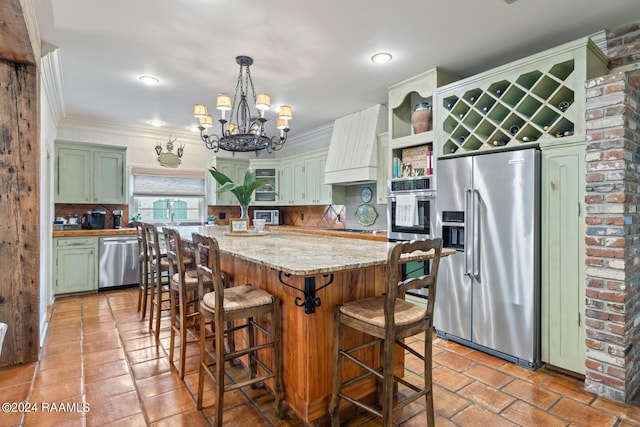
<point x="75" y="265"/>
<point x="563" y="257"/>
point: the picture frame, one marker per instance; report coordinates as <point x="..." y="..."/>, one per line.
<point x="238" y="225"/>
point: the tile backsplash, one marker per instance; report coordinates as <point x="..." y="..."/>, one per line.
<point x="319" y="216"/>
<point x="64" y="210"/>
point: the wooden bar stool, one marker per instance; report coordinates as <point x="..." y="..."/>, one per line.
<point x="145" y="272"/>
<point x="389" y="319"/>
<point x="159" y="276"/>
<point x="183" y="291"/>
<point x="237" y="303"/>
<point x="227" y="281"/>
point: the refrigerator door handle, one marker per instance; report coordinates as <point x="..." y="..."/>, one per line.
<point x="468" y="193"/>
<point x="476" y="233"/>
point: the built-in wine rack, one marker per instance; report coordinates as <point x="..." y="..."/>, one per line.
<point x="540" y="98"/>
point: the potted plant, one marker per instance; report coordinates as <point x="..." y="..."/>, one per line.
<point x="211" y="219"/>
<point x="244" y="191"/>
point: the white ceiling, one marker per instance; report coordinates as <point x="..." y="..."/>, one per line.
<point x="311" y="55"/>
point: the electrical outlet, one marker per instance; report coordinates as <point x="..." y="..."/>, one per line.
<point x="222" y="215"/>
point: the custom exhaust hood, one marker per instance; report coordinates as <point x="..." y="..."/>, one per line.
<point x="352" y="157"/>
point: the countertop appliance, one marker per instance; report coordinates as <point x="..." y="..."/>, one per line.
<point x="94" y="220"/>
<point x="118" y="262"/>
<point x="117" y="219"/>
<point x="489" y="291"/>
<point x="271" y="216"/>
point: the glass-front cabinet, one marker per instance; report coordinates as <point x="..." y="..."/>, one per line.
<point x="267" y="195"/>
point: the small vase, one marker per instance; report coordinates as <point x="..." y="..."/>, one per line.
<point x="421" y="119"/>
<point x="244" y="211"/>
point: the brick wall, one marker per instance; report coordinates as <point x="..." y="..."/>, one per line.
<point x="613" y="234"/>
<point x="623" y="44"/>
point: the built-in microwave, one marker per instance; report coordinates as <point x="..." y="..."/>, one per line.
<point x="272" y="216"/>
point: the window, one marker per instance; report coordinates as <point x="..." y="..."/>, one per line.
<point x="168" y="196"/>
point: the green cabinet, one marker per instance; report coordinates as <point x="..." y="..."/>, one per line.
<point x="234" y="169"/>
<point x="384" y="168"/>
<point x="88" y="173"/>
<point x="267" y="195"/>
<point x="537" y="99"/>
<point x="563" y="257"/>
<point x="285" y="188"/>
<point x="75" y="264"/>
<point x="308" y="181"/>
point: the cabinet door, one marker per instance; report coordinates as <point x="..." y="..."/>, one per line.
<point x="227" y="197"/>
<point x="324" y="190"/>
<point x="285" y="191"/>
<point x="311" y="179"/>
<point x="299" y="182"/>
<point x="563" y="263"/>
<point x="234" y="169"/>
<point x="108" y="177"/>
<point x="75" y="268"/>
<point x="73" y="183"/>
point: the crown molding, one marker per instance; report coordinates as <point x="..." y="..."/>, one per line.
<point x="52" y="86"/>
<point x="127" y="130"/>
<point x="310" y="140"/>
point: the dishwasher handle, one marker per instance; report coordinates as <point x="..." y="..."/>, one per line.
<point x="116" y="240"/>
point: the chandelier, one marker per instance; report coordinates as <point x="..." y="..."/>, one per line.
<point x="243" y="131"/>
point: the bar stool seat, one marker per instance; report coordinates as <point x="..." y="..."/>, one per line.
<point x="239" y="298"/>
<point x="233" y="309"/>
<point x="388" y="319"/>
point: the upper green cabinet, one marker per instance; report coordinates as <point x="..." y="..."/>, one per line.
<point x="234" y="169"/>
<point x="538" y="99"/>
<point x="89" y="173"/>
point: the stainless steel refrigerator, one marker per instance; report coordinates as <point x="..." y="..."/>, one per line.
<point x="489" y="291"/>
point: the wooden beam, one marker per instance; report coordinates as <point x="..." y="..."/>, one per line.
<point x="19" y="187"/>
<point x="19" y="37"/>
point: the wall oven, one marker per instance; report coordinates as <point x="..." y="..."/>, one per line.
<point x="418" y="189"/>
<point x="422" y="227"/>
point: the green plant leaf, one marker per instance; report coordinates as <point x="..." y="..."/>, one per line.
<point x="219" y="176"/>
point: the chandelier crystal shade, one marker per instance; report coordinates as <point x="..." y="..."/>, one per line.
<point x="243" y="131"/>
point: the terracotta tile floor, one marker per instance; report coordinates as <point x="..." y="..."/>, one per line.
<point x="100" y="354"/>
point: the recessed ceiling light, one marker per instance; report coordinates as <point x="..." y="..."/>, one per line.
<point x="381" y="58"/>
<point x="156" y="123"/>
<point x="149" y="80"/>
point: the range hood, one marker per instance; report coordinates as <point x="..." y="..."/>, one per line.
<point x="352" y="157"/>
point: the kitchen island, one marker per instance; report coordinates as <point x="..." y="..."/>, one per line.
<point x="311" y="274"/>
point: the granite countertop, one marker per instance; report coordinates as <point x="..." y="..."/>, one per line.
<point x="300" y="253"/>
<point x="95" y="233"/>
<point x="378" y="236"/>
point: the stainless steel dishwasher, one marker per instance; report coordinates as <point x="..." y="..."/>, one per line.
<point x="118" y="265"/>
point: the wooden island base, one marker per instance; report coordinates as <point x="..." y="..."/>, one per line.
<point x="308" y="338"/>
